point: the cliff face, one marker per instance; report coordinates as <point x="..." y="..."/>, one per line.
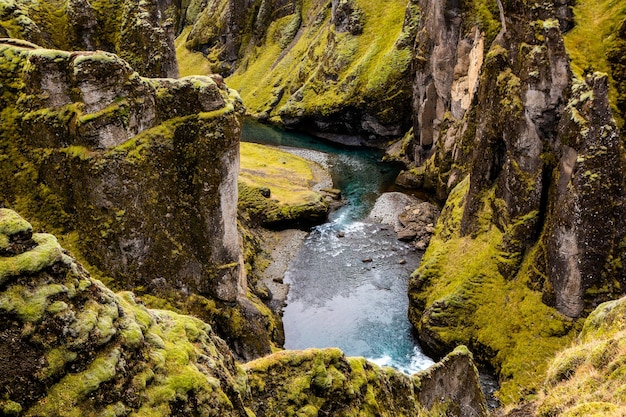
<point x="323" y="67"/>
<point x="142" y="33"/>
<point x="531" y="165"/>
<point x="70" y="346"/>
<point x="141" y="173"/>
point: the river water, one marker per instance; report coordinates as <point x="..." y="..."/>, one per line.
<point x="348" y="283"/>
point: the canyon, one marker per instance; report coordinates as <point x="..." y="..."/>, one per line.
<point x="493" y="107"/>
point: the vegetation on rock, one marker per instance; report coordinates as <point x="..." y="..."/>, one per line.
<point x="306" y="65"/>
<point x="276" y="188"/>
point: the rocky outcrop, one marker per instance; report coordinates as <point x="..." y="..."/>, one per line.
<point x="523" y="159"/>
<point x="413" y="220"/>
<point x="69" y="346"/>
<point x="142" y="33"/>
<point x="144" y="171"/>
<point x="316" y="69"/>
<point x="314" y="382"/>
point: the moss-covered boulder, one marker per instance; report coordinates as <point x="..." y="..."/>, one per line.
<point x="69" y="346"/>
<point x="324" y="382"/>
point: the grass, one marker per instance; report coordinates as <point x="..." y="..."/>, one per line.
<point x="330" y="69"/>
<point x="289" y="177"/>
<point x="589" y="378"/>
<point x="597" y="23"/>
<point x="190" y="62"/>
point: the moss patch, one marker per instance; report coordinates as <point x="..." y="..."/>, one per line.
<point x="595" y="34"/>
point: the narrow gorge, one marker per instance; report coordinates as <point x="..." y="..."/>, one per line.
<point x="120" y="130"/>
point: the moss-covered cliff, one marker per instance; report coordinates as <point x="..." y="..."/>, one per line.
<point x="531" y="165"/>
<point x="139" y="174"/>
<point x="69" y="346"/>
<point x="340" y="69"/>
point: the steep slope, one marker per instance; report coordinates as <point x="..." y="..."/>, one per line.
<point x="324" y="67"/>
<point x="70" y="347"/>
<point x="531" y="165"/>
<point x="587" y="379"/>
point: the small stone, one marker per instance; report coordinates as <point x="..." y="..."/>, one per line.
<point x="367" y="260"/>
<point x="402" y="261"/>
<point x="341" y="234"/>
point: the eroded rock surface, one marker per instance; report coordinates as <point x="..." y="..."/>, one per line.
<point x="142" y="33"/>
<point x="528" y="160"/>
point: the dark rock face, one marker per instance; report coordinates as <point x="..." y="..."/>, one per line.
<point x="536" y="166"/>
<point x="142" y="33"/>
<point x="526" y="142"/>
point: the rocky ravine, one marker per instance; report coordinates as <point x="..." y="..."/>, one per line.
<point x="69" y="346"/>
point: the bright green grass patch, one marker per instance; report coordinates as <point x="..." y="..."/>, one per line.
<point x="597" y="23"/>
<point x="289" y="177"/>
<point x="190" y="62"/>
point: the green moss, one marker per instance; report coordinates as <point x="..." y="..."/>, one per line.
<point x="45" y="254"/>
<point x="10" y="408"/>
<point x="595" y="34"/>
<point x="322" y="71"/>
<point x="64" y="398"/>
<point x="468" y="301"/>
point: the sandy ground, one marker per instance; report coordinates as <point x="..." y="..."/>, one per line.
<point x="282" y="246"/>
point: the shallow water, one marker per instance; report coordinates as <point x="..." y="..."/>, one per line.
<point x="348" y="283"/>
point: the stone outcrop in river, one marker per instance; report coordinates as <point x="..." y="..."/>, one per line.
<point x="70" y="346"/>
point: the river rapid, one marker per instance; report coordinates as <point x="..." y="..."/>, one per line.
<point x="348" y="283"/>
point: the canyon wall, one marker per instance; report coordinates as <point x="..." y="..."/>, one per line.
<point x="140" y="174"/>
<point x="323" y="67"/>
<point x="530" y="164"/>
